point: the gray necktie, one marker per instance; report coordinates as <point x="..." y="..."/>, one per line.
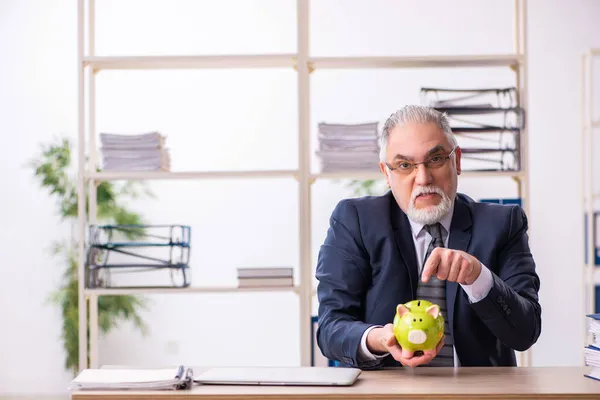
<point x="435" y="291"/>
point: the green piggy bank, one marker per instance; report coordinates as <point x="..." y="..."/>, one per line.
<point x="418" y="325"/>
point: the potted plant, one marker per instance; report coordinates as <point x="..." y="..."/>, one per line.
<point x="53" y="169"/>
<point x="367" y="187"/>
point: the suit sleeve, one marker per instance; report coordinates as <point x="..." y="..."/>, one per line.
<point x="343" y="274"/>
<point x="511" y="310"/>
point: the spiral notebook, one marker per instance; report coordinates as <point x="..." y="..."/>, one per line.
<point x="137" y="379"/>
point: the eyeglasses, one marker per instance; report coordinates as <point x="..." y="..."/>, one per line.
<point x="435" y="162"/>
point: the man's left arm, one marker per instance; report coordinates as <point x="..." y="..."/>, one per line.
<point x="511" y="308"/>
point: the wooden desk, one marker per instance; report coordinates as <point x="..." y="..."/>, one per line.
<point x="419" y="383"/>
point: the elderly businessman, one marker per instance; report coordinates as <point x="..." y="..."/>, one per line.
<point x="423" y="240"/>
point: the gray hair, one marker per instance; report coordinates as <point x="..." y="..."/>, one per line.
<point x="418" y="114"/>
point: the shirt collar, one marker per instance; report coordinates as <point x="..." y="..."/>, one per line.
<point x="445" y="221"/>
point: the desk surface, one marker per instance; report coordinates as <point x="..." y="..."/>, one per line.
<point x="419" y="383"/>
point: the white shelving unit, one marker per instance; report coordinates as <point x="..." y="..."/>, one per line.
<point x="89" y="64"/>
<point x="590" y="189"/>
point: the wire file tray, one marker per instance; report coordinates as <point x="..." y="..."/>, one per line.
<point x="487" y="124"/>
<point x="138" y="256"/>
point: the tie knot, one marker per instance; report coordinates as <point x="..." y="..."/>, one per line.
<point x="435" y="230"/>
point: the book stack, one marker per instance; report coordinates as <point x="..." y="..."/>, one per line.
<point x="265" y="277"/>
<point x="134" y="152"/>
<point x="592" y="351"/>
<point x="348" y="147"/>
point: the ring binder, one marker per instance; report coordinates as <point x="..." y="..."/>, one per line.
<point x="154" y="253"/>
<point x="487" y="123"/>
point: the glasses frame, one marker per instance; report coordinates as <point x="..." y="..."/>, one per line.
<point x="425" y="162"/>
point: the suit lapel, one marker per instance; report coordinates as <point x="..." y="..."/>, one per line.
<point x="460" y="236"/>
<point x="405" y="243"/>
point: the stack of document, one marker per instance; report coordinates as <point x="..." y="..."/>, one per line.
<point x="344" y="147"/>
<point x="592" y="351"/>
<point x="134" y="152"/>
<point x="136" y="379"/>
<point x="265" y="277"/>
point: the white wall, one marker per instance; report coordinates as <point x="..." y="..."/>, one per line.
<point x="247" y="120"/>
<point x="558" y="37"/>
<point x="37" y="102"/>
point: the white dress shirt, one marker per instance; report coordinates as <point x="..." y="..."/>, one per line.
<point x="475" y="291"/>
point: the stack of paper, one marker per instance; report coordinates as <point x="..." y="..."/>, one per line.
<point x="138" y="379"/>
<point x="345" y="147"/>
<point x="261" y="277"/>
<point x="134" y="152"/>
<point x="592" y="351"/>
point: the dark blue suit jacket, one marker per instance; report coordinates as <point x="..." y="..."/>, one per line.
<point x="367" y="266"/>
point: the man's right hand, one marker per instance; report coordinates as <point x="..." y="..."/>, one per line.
<point x="383" y="340"/>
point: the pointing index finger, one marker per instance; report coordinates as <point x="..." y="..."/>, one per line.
<point x="431" y="265"/>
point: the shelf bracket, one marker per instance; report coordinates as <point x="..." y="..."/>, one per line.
<point x="311" y="179"/>
<point x="518" y="180"/>
<point x="516" y="67"/>
<point x="310" y="65"/>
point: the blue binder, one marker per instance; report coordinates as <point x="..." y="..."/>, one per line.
<point x="517" y="201"/>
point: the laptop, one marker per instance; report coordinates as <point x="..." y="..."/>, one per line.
<point x="283" y="376"/>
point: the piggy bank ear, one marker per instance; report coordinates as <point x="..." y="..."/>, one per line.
<point x="401" y="309"/>
<point x="433" y="310"/>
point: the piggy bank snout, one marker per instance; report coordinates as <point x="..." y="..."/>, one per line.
<point x="417" y="336"/>
<point x="418" y="325"/>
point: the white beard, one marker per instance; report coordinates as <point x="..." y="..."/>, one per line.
<point x="430" y="214"/>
